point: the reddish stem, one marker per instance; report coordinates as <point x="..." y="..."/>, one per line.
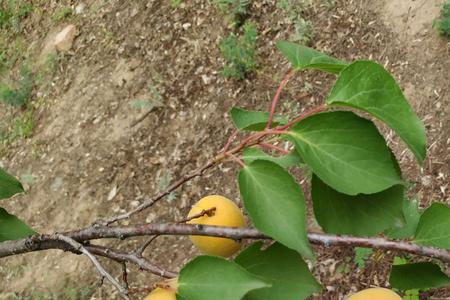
<point x="276" y="98"/>
<point x="229" y="141"/>
<point x="237" y="159"/>
<point x="306" y="114"/>
<point x="273" y="147"/>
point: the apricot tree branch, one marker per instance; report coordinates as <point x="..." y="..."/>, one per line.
<point x="43" y="242"/>
<point x="78" y="247"/>
<point x="134" y="258"/>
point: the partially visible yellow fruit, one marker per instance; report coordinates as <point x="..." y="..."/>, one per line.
<point x="161" y="294"/>
<point x="165" y="290"/>
<point x="226" y="214"/>
<point x="375" y="294"/>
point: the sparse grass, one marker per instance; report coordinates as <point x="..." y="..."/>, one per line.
<point x="11" y="13"/>
<point x="303" y="29"/>
<point x="442" y="24"/>
<point x="235" y="10"/>
<point x="19" y="93"/>
<point x="62" y="14"/>
<point x="239" y="52"/>
<point x="20" y="127"/>
<point x="66" y="293"/>
<point x="175" y="3"/>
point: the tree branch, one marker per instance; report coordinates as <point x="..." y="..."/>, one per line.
<point x="78" y="247"/>
<point x="43" y="242"/>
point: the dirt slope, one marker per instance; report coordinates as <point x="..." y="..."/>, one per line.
<point x="90" y="159"/>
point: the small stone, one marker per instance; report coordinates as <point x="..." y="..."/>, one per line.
<point x="186" y="26"/>
<point x="64" y="39"/>
<point x="79" y="8"/>
<point x="57" y="184"/>
<point x="112" y="193"/>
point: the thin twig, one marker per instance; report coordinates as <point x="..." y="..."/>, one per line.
<point x="236" y="159"/>
<point x="209" y="212"/>
<point x="145" y="245"/>
<point x="304" y="115"/>
<point x="133" y="258"/>
<point x="229" y="141"/>
<point x="273" y="147"/>
<point x="150" y="201"/>
<point x="77" y="246"/>
<point x="125" y="275"/>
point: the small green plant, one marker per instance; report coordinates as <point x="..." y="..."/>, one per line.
<point x="19" y="93"/>
<point x="175" y="3"/>
<point x="443" y="23"/>
<point x="236" y="10"/>
<point x="361" y="255"/>
<point x="303" y="29"/>
<point x="239" y="52"/>
<point x="21" y="127"/>
<point x="62" y="14"/>
<point x="11" y="14"/>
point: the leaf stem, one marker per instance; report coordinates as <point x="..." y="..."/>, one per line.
<point x="276" y="98"/>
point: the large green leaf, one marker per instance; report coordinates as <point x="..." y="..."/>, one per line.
<point x="360" y="215"/>
<point x="367" y="86"/>
<point x="408" y="229"/>
<point x="285" y="161"/>
<point x="346" y="152"/>
<point x="11" y="228"/>
<point x="275" y="203"/>
<point x="9" y="185"/>
<point x="210" y="277"/>
<point x="434" y="227"/>
<point x="418" y="276"/>
<point x="253" y="120"/>
<point x="302" y="57"/>
<point x="283" y="267"/>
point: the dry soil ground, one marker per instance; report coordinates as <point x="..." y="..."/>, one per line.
<point x="88" y="161"/>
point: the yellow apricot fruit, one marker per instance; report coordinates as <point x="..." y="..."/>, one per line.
<point x="226" y="213"/>
<point x="165" y="290"/>
<point x="375" y="294"/>
<point x="161" y="294"/>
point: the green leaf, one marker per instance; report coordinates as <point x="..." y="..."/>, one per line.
<point x="210" y="277"/>
<point x="418" y="276"/>
<point x="412" y="215"/>
<point x="283" y="267"/>
<point x="285" y="161"/>
<point x="434" y="227"/>
<point x="9" y="185"/>
<point x="275" y="203"/>
<point x="360" y="215"/>
<point x="11" y="228"/>
<point x="253" y="120"/>
<point x="367" y="86"/>
<point x="346" y="151"/>
<point x="302" y="57"/>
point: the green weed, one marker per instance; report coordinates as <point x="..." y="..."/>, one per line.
<point x="62" y="14"/>
<point x="21" y="127"/>
<point x="18" y="94"/>
<point x="303" y="29"/>
<point x="443" y="23"/>
<point x="11" y="13"/>
<point x="239" y="52"/>
<point x="236" y="10"/>
<point x="175" y="3"/>
<point x="361" y="255"/>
